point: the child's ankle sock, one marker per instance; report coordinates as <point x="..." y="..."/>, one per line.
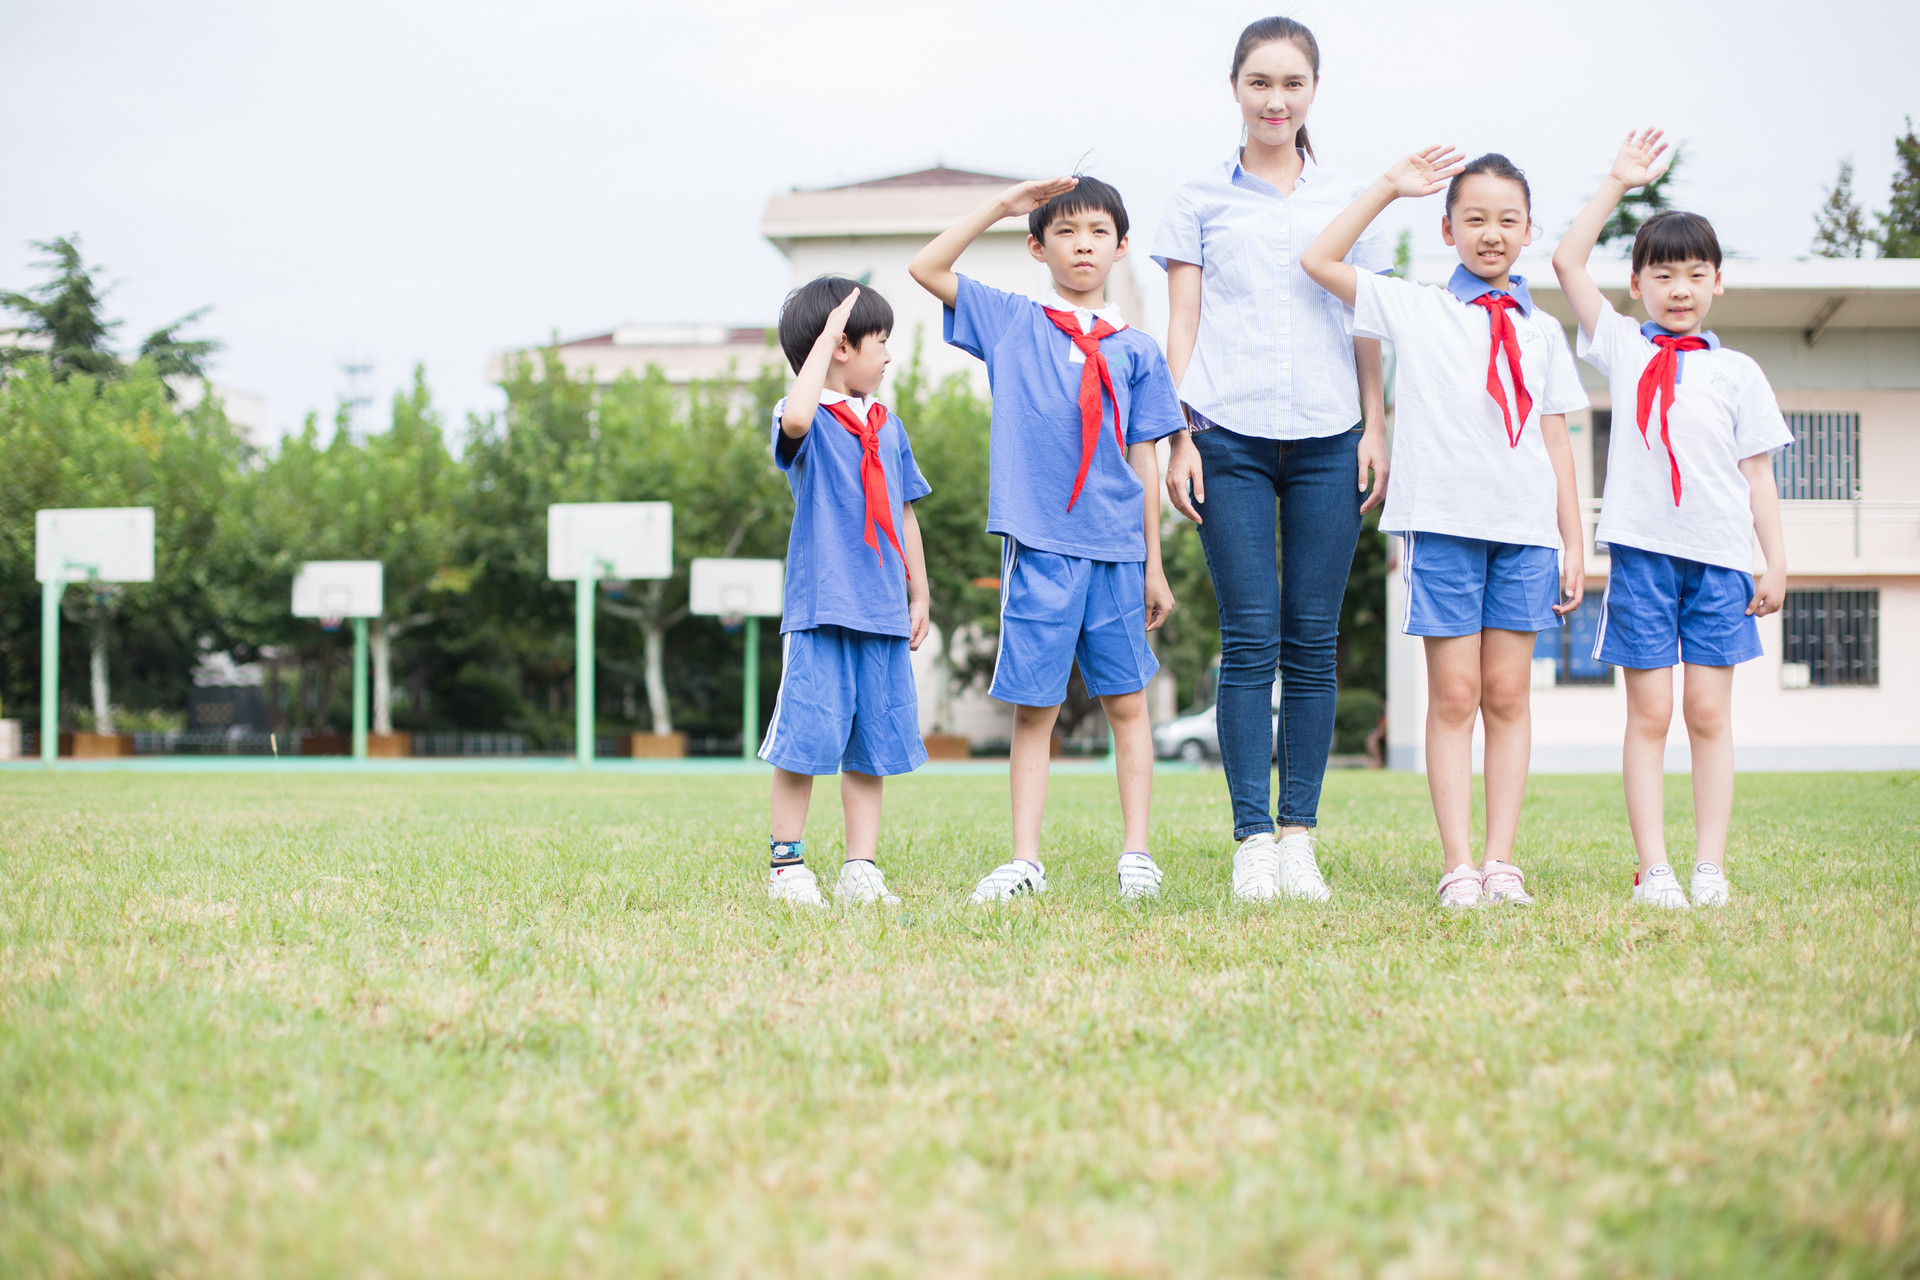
<point x="787" y="853"/>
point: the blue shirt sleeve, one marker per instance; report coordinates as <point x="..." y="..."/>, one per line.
<point x="913" y="485"/>
<point x="786" y="449"/>
<point x="1178" y="239"/>
<point x="980" y="314"/>
<point x="1154" y="410"/>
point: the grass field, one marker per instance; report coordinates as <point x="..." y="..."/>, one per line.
<point x="514" y="1026"/>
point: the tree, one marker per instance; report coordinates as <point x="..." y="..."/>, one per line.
<point x="64" y="314"/>
<point x="1638" y="206"/>
<point x="1899" y="235"/>
<point x="1840" y="228"/>
<point x="176" y="357"/>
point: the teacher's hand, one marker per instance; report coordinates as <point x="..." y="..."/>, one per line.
<point x="1183" y="469"/>
<point x="1373" y="457"/>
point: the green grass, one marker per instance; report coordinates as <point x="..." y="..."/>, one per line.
<point x="513" y="1025"/>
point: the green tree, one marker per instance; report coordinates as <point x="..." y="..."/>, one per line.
<point x="1638" y="206"/>
<point x="1899" y="234"/>
<point x="64" y="315"/>
<point x="1840" y="228"/>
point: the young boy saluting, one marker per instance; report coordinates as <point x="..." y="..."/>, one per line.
<point x="856" y="592"/>
<point x="1686" y="493"/>
<point x="1078" y="400"/>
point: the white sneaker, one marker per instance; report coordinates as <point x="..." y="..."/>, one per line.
<point x="1659" y="887"/>
<point x="1139" y="876"/>
<point x="1504" y="882"/>
<point x="1009" y="880"/>
<point x="1460" y="888"/>
<point x="861" y="884"/>
<point x="1710" y="887"/>
<point x="1300" y="871"/>
<point x="1256" y="868"/>
<point x="794" y="884"/>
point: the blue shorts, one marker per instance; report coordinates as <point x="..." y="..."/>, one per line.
<point x="1054" y="609"/>
<point x="1460" y="586"/>
<point x="1660" y="611"/>
<point x="847" y="701"/>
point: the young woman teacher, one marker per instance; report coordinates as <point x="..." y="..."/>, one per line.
<point x="1285" y="409"/>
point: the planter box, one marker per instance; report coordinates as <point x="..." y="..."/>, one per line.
<point x="947" y="746"/>
<point x="657" y="746"/>
<point x="327" y="744"/>
<point x="101" y="746"/>
<point x="388" y="746"/>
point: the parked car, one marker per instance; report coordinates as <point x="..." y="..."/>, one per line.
<point x="1193" y="737"/>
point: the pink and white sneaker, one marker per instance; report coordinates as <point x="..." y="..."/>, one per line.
<point x="1460" y="887"/>
<point x="1503" y="882"/>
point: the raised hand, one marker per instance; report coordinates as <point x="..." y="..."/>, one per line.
<point x="836" y="323"/>
<point x="1425" y="171"/>
<point x="1634" y="166"/>
<point x="1028" y="196"/>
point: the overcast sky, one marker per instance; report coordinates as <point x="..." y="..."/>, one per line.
<point x="407" y="182"/>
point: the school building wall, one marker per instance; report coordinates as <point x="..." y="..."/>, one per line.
<point x="1870" y="543"/>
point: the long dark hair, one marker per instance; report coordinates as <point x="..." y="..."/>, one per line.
<point x="1267" y="31"/>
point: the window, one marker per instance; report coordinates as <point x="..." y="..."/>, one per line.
<point x="1824" y="459"/>
<point x="1834" y="635"/>
<point x="1602" y="441"/>
<point x="1571" y="646"/>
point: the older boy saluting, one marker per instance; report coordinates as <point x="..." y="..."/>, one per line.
<point x="1078" y="400"/>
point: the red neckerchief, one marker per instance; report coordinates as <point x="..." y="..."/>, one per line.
<point x="1658" y="378"/>
<point x="1092" y="378"/>
<point x="1500" y="325"/>
<point x="873" y="476"/>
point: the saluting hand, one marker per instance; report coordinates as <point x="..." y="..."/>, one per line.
<point x="1028" y="196"/>
<point x="1425" y="171"/>
<point x="1634" y="166"/>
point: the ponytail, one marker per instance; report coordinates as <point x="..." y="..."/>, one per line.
<point x="1267" y="31"/>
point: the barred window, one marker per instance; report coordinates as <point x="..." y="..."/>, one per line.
<point x="1824" y="459"/>
<point x="1571" y="646"/>
<point x="1834" y="635"/>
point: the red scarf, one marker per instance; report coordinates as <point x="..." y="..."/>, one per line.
<point x="1500" y="325"/>
<point x="1092" y="378"/>
<point x="873" y="476"/>
<point x="1659" y="377"/>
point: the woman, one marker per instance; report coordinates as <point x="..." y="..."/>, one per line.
<point x="1284" y="409"/>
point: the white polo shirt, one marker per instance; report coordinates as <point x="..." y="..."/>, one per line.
<point x="1454" y="470"/>
<point x="1273" y="357"/>
<point x="1723" y="411"/>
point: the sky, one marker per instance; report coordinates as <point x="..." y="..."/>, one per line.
<point x="401" y="183"/>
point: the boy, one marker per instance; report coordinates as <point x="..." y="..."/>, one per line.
<point x="856" y="591"/>
<point x="1078" y="400"/>
<point x="1686" y="494"/>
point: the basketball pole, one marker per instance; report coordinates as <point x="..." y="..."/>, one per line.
<point x="584" y="587"/>
<point x="750" y="696"/>
<point x="50" y="593"/>
<point x="359" y="688"/>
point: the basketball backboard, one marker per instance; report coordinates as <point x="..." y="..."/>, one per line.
<point x="609" y="540"/>
<point x="339" y="589"/>
<point x="93" y="544"/>
<point x="737" y="588"/>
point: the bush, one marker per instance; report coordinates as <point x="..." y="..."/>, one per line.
<point x="1354" y="717"/>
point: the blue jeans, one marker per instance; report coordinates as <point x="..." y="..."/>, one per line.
<point x="1263" y="625"/>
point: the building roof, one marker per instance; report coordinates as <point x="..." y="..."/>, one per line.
<point x="674" y="335"/>
<point x="923" y="203"/>
<point x="1811" y="295"/>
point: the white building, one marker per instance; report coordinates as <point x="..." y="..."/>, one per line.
<point x="1839" y="684"/>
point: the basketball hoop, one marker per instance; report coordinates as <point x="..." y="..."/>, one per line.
<point x="731" y="622"/>
<point x="331" y="624"/>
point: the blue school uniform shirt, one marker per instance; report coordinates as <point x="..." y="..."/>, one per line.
<point x="833" y="576"/>
<point x="1034" y="371"/>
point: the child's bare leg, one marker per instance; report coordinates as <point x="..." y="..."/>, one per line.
<point x="1453" y="697"/>
<point x="1643" y="760"/>
<point x="1706" y="699"/>
<point x="860" y="797"/>
<point x="1133" y="761"/>
<point x="1506" y="680"/>
<point x="1032" y="750"/>
<point x="791" y="792"/>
